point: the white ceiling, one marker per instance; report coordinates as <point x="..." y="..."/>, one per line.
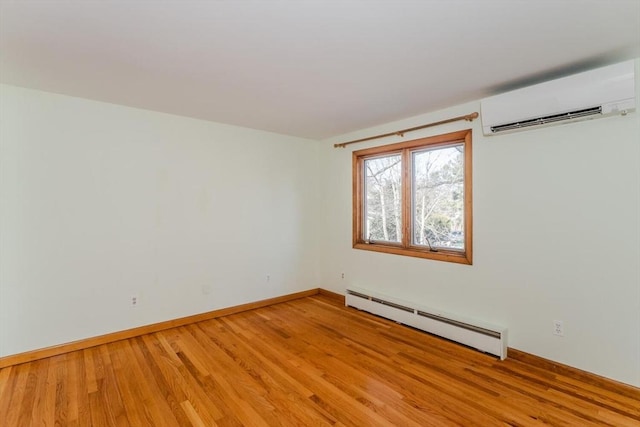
<point x="315" y="68"/>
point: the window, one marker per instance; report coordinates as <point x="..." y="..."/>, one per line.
<point x="414" y="198"/>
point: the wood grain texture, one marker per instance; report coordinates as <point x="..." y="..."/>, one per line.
<point x="30" y="356"/>
<point x="306" y="362"/>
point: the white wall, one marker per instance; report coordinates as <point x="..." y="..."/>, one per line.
<point x="100" y="202"/>
<point x="556" y="237"/>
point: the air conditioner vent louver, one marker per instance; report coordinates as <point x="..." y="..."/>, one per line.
<point x="592" y="94"/>
<point x="547" y="119"/>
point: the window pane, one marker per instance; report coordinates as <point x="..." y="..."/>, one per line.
<point x="383" y="195"/>
<point x="438" y="197"/>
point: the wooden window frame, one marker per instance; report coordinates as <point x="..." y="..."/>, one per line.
<point x="406" y="247"/>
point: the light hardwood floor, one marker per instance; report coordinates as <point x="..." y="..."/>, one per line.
<point x="308" y="362"/>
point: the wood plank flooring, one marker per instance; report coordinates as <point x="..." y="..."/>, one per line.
<point x="308" y="362"/>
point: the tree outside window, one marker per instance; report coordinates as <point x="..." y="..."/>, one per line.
<point x="414" y="198"/>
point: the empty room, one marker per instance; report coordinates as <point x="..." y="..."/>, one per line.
<point x="309" y="213"/>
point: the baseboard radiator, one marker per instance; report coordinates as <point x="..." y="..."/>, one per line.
<point x="487" y="338"/>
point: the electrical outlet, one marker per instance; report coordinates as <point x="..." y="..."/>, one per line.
<point x="558" y="328"/>
<point x="135" y="300"/>
<point x="268" y="277"/>
<point x="342" y="275"/>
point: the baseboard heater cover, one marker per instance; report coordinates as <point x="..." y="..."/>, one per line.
<point x="485" y="337"/>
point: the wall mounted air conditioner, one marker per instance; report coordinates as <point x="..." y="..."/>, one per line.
<point x="595" y="93"/>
